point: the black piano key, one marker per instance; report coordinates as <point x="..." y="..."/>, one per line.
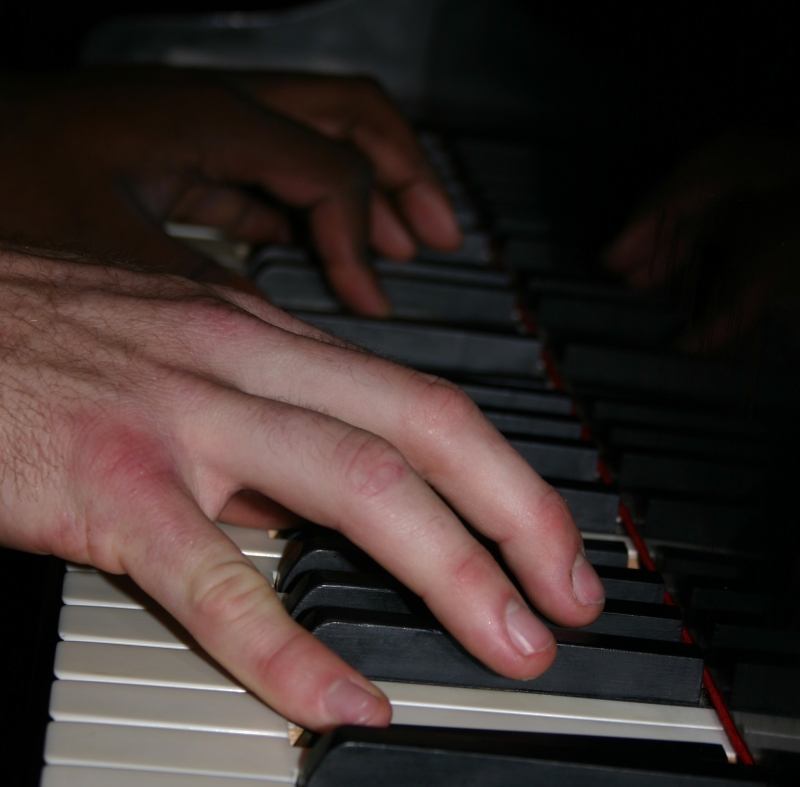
<point x="515" y="400"/>
<point x="730" y="636"/>
<point x="691" y="379"/>
<point x="594" y="507"/>
<point x="426" y="757"/>
<point x="711" y="565"/>
<point x="629" y="323"/>
<point x="349" y="590"/>
<point x="635" y="619"/>
<point x="631" y="439"/>
<point x="726" y="599"/>
<point x="680" y="474"/>
<point x="655" y="416"/>
<point x="439" y="349"/>
<point x="704" y="524"/>
<point x="606" y="553"/>
<point x="303" y="287"/>
<point x="516" y="424"/>
<point x="416" y="649"/>
<point x="334" y="553"/>
<point x="767" y="688"/>
<point x="571" y="462"/>
<point x="379" y="593"/>
<point x="321" y="553"/>
<point x="630" y="584"/>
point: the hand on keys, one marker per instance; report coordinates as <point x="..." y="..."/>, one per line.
<point x="722" y="234"/>
<point x="138" y="407"/>
<point x="98" y="160"/>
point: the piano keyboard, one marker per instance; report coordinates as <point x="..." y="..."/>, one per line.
<point x="136" y="703"/>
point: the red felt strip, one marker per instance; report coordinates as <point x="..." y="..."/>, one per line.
<point x="739" y="746"/>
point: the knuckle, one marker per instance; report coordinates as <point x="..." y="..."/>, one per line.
<point x="227" y="595"/>
<point x="553" y="514"/>
<point x="443" y="411"/>
<point x="474" y="569"/>
<point x="216" y="317"/>
<point x="370" y="466"/>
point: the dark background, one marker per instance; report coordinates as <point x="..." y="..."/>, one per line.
<point x="637" y="85"/>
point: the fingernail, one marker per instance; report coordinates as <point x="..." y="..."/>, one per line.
<point x="586" y="585"/>
<point x="528" y="634"/>
<point x="350" y="704"/>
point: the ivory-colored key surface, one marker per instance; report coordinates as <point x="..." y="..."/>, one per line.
<point x="445" y="706"/>
<point x="77" y="776"/>
<point x="253" y="543"/>
<point x="157" y="706"/>
<point x="91" y="588"/>
<point x="123" y="627"/>
<point x="140" y="666"/>
<point x="176" y="751"/>
<point x="96" y="589"/>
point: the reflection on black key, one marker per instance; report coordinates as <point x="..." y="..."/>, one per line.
<point x="422" y="756"/>
<point x="606" y="553"/>
<point x="634" y="619"/>
<point x="574" y="462"/>
<point x="442" y="349"/>
<point x="593" y="507"/>
<point x="349" y="590"/>
<point x="380" y="593"/>
<point x="518" y="400"/>
<point x="321" y="553"/>
<point x="336" y="553"/>
<point x="533" y="426"/>
<point x="631" y="584"/>
<point x="416" y="649"/>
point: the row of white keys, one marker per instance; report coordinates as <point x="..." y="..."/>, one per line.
<point x="412" y="704"/>
<point x="171" y="751"/>
<point x="169" y="689"/>
<point x="78" y="776"/>
<point x="446" y="706"/>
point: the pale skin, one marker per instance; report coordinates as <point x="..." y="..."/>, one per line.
<point x="134" y="406"/>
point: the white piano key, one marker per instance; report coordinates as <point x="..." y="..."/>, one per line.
<point x="157" y="706"/>
<point x="78" y="776"/>
<point x="176" y="751"/>
<point x="91" y="588"/>
<point x="253" y="542"/>
<point x="445" y="706"/>
<point x="150" y="628"/>
<point x="79" y="567"/>
<point x="97" y="589"/>
<point x="140" y="666"/>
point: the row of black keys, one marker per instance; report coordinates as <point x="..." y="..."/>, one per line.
<point x="632" y="652"/>
<point x="399" y="756"/>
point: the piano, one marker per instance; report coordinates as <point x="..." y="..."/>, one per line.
<point x="676" y="469"/>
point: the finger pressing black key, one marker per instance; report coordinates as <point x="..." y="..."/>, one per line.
<point x="416" y="649"/>
<point x="377" y="593"/>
